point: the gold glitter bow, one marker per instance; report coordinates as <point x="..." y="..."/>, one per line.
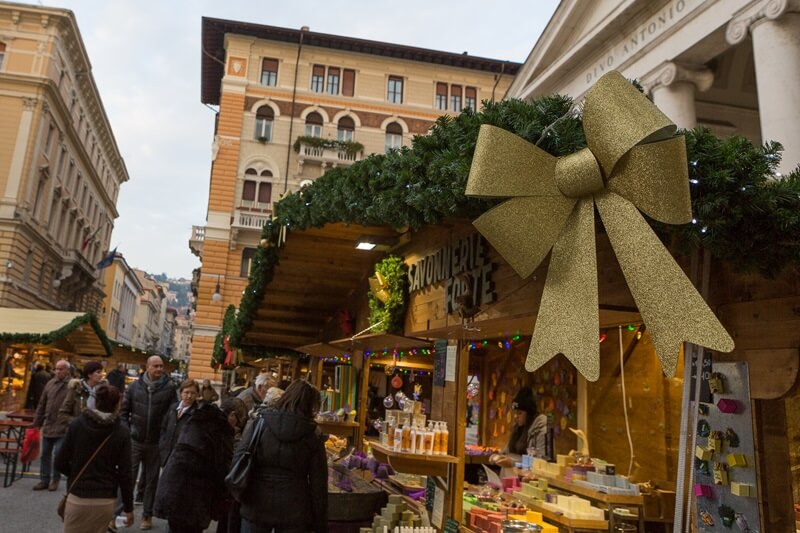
<point x="633" y="160"/>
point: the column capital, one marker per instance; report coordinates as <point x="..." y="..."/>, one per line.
<point x="671" y="72"/>
<point x="740" y="24"/>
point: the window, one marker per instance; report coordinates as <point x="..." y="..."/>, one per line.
<point x="471" y="98"/>
<point x="333" y="80"/>
<point x="249" y="191"/>
<point x="2" y="53"/>
<point x="49" y="140"/>
<point x="317" y="78"/>
<point x="264" y="193"/>
<point x="346" y="129"/>
<point x="455" y="98"/>
<point x="314" y="125"/>
<point x="395" y="90"/>
<point x="394" y="136"/>
<point x="441" y="96"/>
<point x="264" y="118"/>
<point x="247" y="261"/>
<point x="348" y="82"/>
<point x="269" y="72"/>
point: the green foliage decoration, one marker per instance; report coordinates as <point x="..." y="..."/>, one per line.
<point x="228" y="321"/>
<point x="390" y="316"/>
<point x="60" y="333"/>
<point x="348" y="147"/>
<point x="744" y="215"/>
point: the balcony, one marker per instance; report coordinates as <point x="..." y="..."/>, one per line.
<point x="250" y="220"/>
<point x="329" y="154"/>
<point x="196" y="240"/>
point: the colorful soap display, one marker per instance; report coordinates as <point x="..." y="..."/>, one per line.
<point x="725" y="487"/>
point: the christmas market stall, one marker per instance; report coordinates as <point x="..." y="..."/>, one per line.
<point x="28" y="336"/>
<point x="622" y="326"/>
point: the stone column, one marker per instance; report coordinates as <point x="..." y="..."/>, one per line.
<point x="775" y="28"/>
<point x="673" y="88"/>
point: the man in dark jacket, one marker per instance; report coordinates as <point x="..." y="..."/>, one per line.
<point x="39" y="380"/>
<point x="52" y="426"/>
<point x="117" y="377"/>
<point x="146" y="402"/>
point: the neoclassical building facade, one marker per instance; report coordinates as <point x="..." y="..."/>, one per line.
<point x="292" y="104"/>
<point x="60" y="167"/>
<point x="730" y="65"/>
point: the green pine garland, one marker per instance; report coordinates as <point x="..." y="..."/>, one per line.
<point x="742" y="215"/>
<point x="58" y="334"/>
<point x="218" y="355"/>
<point x="390" y="316"/>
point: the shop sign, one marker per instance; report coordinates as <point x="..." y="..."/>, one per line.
<point x="643" y="35"/>
<point x="464" y="268"/>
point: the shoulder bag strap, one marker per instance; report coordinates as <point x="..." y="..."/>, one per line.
<point x="89" y="461"/>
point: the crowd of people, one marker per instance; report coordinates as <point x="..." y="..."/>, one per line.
<point x="176" y="442"/>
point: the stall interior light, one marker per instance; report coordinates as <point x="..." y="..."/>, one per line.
<point x="365" y="245"/>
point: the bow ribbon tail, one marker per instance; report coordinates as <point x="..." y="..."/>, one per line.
<point x="568" y="313"/>
<point x="669" y="304"/>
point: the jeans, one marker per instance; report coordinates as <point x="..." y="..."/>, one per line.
<point x="50" y="447"/>
<point x="147" y="454"/>
<point x="250" y="527"/>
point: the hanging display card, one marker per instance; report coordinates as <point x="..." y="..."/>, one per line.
<point x="725" y="489"/>
<point x="440" y="362"/>
<point x="452" y="358"/>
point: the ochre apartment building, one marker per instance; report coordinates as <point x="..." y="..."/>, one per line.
<point x="60" y="168"/>
<point x="292" y="104"/>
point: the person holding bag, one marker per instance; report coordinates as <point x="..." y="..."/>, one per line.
<point x="96" y="456"/>
<point x="284" y="468"/>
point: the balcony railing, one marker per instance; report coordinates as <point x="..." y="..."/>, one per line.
<point x="250" y="220"/>
<point x="327" y="156"/>
<point x="197" y="239"/>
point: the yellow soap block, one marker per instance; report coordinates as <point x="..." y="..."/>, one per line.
<point x="520" y="517"/>
<point x="702" y="453"/>
<point x="533" y="516"/>
<point x="547" y="528"/>
<point x="737" y="459"/>
<point x="742" y="489"/>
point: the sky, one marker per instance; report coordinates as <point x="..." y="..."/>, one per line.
<point x="145" y="58"/>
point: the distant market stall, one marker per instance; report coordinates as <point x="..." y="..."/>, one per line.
<point x="28" y="335"/>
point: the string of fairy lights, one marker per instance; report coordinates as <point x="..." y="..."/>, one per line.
<point x="502" y="343"/>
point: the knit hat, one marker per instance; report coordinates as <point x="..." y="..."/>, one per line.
<point x="525" y="401"/>
<point x="90" y="368"/>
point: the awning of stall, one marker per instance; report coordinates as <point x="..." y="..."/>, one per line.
<point x="79" y="333"/>
<point x="123" y="353"/>
<point x="319" y="270"/>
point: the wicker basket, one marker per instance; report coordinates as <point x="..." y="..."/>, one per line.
<point x="362" y="503"/>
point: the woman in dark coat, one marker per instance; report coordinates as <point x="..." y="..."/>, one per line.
<point x="176" y="417"/>
<point x="192" y="484"/>
<point x="92" y="498"/>
<point x="288" y="486"/>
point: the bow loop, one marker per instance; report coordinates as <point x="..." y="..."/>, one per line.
<point x="617" y="117"/>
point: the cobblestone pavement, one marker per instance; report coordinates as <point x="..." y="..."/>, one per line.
<point x="25" y="511"/>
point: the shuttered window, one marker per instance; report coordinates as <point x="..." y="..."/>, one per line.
<point x="455" y="98"/>
<point x="441" y="96"/>
<point x="269" y="72"/>
<point x="348" y="82"/>
<point x="317" y="78"/>
<point x="333" y="80"/>
<point x="249" y="191"/>
<point x="264" y="192"/>
<point x="471" y="98"/>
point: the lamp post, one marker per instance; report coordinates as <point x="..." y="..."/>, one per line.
<point x="217" y="296"/>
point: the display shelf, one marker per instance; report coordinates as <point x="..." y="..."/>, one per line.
<point x="480" y="459"/>
<point x="340" y="429"/>
<point x="613" y="499"/>
<point x="411" y="463"/>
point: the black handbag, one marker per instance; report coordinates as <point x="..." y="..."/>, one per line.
<point x="239" y="474"/>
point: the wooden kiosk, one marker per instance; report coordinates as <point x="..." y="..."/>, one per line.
<point x="320" y="273"/>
